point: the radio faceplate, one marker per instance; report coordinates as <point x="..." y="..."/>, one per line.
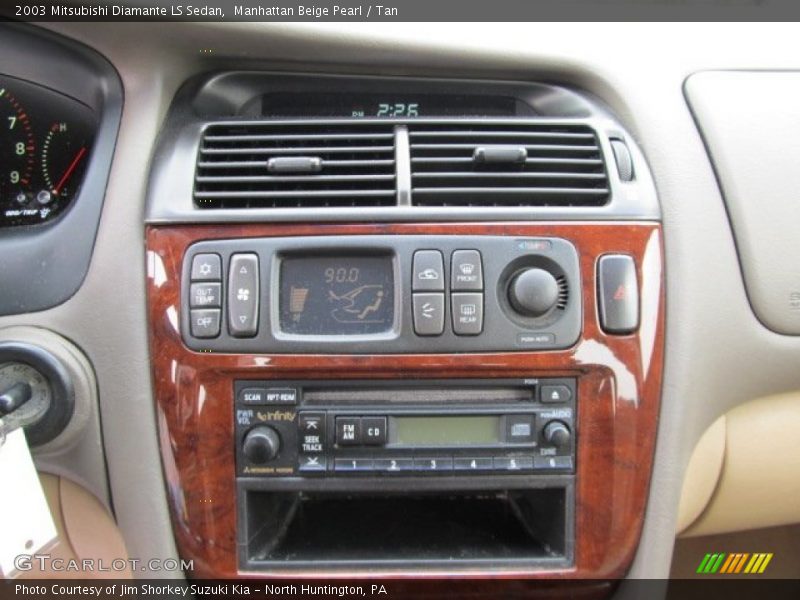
<point x="451" y="428"/>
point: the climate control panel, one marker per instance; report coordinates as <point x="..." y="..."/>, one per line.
<point x="381" y="294"/>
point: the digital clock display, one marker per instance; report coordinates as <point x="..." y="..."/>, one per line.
<point x="343" y="295"/>
<point x="391" y="106"/>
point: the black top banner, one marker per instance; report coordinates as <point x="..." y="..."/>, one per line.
<point x="398" y="10"/>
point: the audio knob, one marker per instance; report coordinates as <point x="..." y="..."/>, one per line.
<point x="533" y="292"/>
<point x="261" y="444"/>
<point x="557" y="434"/>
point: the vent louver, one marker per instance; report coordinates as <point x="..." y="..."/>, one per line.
<point x="506" y="164"/>
<point x="296" y="164"/>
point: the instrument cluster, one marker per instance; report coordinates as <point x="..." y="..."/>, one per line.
<point x="45" y="143"/>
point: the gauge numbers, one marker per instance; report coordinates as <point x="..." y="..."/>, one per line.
<point x="45" y="139"/>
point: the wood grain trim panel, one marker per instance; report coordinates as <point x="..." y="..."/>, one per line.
<point x="618" y="402"/>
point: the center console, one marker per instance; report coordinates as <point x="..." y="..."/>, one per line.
<point x="450" y="373"/>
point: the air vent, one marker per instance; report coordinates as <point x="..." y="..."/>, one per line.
<point x="506" y="164"/>
<point x="283" y="165"/>
<point x="563" y="292"/>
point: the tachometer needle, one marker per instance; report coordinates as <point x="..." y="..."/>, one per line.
<point x="69" y="170"/>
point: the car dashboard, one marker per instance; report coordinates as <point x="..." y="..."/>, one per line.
<point x="325" y="302"/>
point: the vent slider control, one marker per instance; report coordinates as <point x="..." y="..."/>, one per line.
<point x="294" y="164"/>
<point x="500" y="155"/>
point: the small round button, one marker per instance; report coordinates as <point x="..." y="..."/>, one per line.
<point x="261" y="444"/>
<point x="557" y="434"/>
<point x="533" y="292"/>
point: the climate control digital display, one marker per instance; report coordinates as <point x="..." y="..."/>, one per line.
<point x="342" y="295"/>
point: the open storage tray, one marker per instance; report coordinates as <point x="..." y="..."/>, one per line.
<point x="500" y="529"/>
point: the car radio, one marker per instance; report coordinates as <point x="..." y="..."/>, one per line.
<point x="365" y="428"/>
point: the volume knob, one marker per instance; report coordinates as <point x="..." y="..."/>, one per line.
<point x="261" y="444"/>
<point x="557" y="434"/>
<point x="533" y="292"/>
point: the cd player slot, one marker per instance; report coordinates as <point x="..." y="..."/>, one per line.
<point x="420" y="395"/>
<point x="292" y="529"/>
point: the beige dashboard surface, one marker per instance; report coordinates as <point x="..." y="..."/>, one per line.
<point x="759" y="482"/>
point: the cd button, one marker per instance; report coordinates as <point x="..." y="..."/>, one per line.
<point x="373" y="431"/>
<point x="393" y="465"/>
<point x="483" y="463"/>
<point x="348" y="431"/>
<point x="428" y="271"/>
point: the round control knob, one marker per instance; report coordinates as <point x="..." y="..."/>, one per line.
<point x="557" y="434"/>
<point x="533" y="292"/>
<point x="261" y="444"/>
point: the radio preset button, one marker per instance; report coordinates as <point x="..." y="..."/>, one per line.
<point x="467" y="313"/>
<point x="393" y="465"/>
<point x="353" y="465"/>
<point x="516" y="463"/>
<point x="552" y="462"/>
<point x="348" y="431"/>
<point x="466" y="273"/>
<point x="428" y="271"/>
<point x="428" y="314"/>
<point x="520" y="429"/>
<point x="438" y="463"/>
<point x="373" y="431"/>
<point x="483" y="463"/>
<point x="312" y="432"/>
<point x="555" y="393"/>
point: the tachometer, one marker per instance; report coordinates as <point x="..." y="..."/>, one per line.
<point x="45" y="143"/>
<point x="17" y="151"/>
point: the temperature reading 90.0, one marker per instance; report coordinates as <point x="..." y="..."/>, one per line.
<point x="398" y="109"/>
<point x="342" y="275"/>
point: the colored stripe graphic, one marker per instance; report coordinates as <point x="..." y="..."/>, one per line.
<point x="734" y="563"/>
<point x="703" y="563"/>
<point x="727" y="565"/>
<point x="764" y="564"/>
